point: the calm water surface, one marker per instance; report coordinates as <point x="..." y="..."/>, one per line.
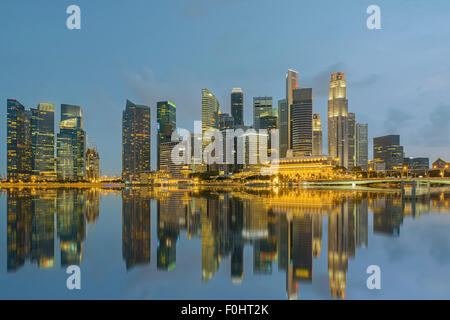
<point x="223" y="244"/>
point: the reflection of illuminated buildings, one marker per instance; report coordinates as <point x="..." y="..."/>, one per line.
<point x="19" y="228"/>
<point x="71" y="226"/>
<point x="43" y="226"/>
<point x="338" y="250"/>
<point x="172" y="211"/>
<point x="31" y="225"/>
<point x="210" y="256"/>
<point x="362" y="223"/>
<point x="135" y="227"/>
<point x="387" y="215"/>
<point x="317" y="235"/>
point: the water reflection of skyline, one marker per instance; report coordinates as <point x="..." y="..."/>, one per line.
<point x="283" y="227"/>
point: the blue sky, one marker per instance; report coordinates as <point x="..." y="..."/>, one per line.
<point x="146" y="51"/>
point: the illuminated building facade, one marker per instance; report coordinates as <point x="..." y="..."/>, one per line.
<point x="167" y="166"/>
<point x="291" y="85"/>
<point x="71" y="144"/>
<point x="19" y="161"/>
<point x="92" y="164"/>
<point x="301" y="111"/>
<point x="237" y="107"/>
<point x="167" y="123"/>
<point x="317" y="135"/>
<point x="321" y="167"/>
<point x="351" y="138"/>
<point x="387" y="150"/>
<point x="136" y="160"/>
<point x="261" y="105"/>
<point x="362" y="146"/>
<point x="43" y="142"/>
<point x="283" y="126"/>
<point x="210" y="114"/>
<point x="337" y="119"/>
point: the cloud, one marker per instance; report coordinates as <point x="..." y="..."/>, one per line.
<point x="435" y="131"/>
<point x="320" y="81"/>
<point x="396" y="120"/>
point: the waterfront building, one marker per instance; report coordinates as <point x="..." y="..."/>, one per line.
<point x="337" y="119"/>
<point x="237" y="107"/>
<point x="136" y="160"/>
<point x="167" y="123"/>
<point x="92" y="164"/>
<point x="301" y="111"/>
<point x="291" y="85"/>
<point x="283" y="126"/>
<point x="43" y="142"/>
<point x="362" y="146"/>
<point x="387" y="150"/>
<point x="71" y="144"/>
<point x="317" y="135"/>
<point x="261" y="105"/>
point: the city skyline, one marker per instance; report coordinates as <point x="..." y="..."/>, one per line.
<point x="101" y="78"/>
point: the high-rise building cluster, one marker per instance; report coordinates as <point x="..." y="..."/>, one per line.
<point x="31" y="151"/>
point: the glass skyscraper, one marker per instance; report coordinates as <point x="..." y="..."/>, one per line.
<point x="18" y="140"/>
<point x="362" y="146"/>
<point x="301" y="122"/>
<point x="71" y="144"/>
<point x="136" y="141"/>
<point x="237" y="107"/>
<point x="387" y="150"/>
<point x="43" y="141"/>
<point x="167" y="123"/>
<point x="291" y="84"/>
<point x="351" y="138"/>
<point x="283" y="126"/>
<point x="260" y="106"/>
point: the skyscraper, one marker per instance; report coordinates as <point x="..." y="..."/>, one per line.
<point x="387" y="150"/>
<point x="167" y="123"/>
<point x="92" y="164"/>
<point x="337" y="119"/>
<point x="362" y="146"/>
<point x="260" y="106"/>
<point x="237" y="107"/>
<point x="301" y="122"/>
<point x="18" y="140"/>
<point x="43" y="141"/>
<point x="317" y="135"/>
<point x="71" y="144"/>
<point x="136" y="158"/>
<point x="351" y="138"/>
<point x="210" y="115"/>
<point x="283" y="126"/>
<point x="291" y="84"/>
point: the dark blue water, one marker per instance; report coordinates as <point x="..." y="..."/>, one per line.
<point x="216" y="244"/>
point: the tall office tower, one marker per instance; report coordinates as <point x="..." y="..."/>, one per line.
<point x="18" y="140"/>
<point x="167" y="123"/>
<point x="351" y="137"/>
<point x="260" y="106"/>
<point x="136" y="159"/>
<point x="317" y="135"/>
<point x="269" y="120"/>
<point x="387" y="150"/>
<point x="291" y="85"/>
<point x="337" y="119"/>
<point x="210" y="115"/>
<point x="71" y="144"/>
<point x="301" y="122"/>
<point x="43" y="141"/>
<point x="283" y="127"/>
<point x="237" y="107"/>
<point x="362" y="146"/>
<point x="92" y="164"/>
<point x="225" y="121"/>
